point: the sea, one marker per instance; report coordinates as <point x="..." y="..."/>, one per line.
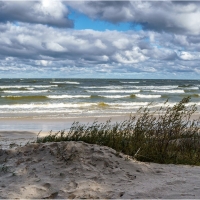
<point x="68" y="98"/>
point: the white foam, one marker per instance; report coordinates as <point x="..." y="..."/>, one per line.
<point x="102" y="87"/>
<point x="115" y="96"/>
<point x="191" y="88"/>
<point x="168" y="91"/>
<point x="129" y="82"/>
<point x="114" y="91"/>
<point x="72" y="82"/>
<point x="147" y="96"/>
<point x="150" y="87"/>
<point x="65" y="82"/>
<point x="43" y="86"/>
<point x="67" y="96"/>
<point x="29" y="91"/>
<point x="27" y="86"/>
<point x="58" y="82"/>
<point x="14" y="86"/>
<point x="46" y="106"/>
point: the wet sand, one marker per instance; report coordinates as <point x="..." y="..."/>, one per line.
<point x="17" y="132"/>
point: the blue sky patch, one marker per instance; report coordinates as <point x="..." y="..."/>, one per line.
<point x="82" y="21"/>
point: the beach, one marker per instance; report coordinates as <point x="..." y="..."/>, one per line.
<point x="20" y="131"/>
<point x="76" y="170"/>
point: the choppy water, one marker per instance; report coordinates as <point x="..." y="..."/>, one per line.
<point x="55" y="98"/>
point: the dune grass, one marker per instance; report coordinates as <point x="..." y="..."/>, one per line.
<point x="167" y="135"/>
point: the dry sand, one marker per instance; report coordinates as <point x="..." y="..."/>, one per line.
<point x="80" y="170"/>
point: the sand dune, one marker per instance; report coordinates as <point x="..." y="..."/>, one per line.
<point x="80" y="170"/>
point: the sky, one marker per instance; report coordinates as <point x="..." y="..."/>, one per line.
<point x="100" y="39"/>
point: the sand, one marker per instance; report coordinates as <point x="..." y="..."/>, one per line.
<point x="78" y="170"/>
<point x="81" y="170"/>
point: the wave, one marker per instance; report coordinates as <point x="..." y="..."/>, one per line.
<point x="129" y="82"/>
<point x="67" y="96"/>
<point x="59" y="82"/>
<point x="24" y="97"/>
<point x="113" y="91"/>
<point x="46" y="106"/>
<point x="96" y="96"/>
<point x="115" y="96"/>
<point x="191" y="88"/>
<point x="102" y="105"/>
<point x="195" y="95"/>
<point x="27" y="91"/>
<point x="43" y="86"/>
<point x="102" y="87"/>
<point x="65" y="82"/>
<point x="168" y="91"/>
<point x="72" y="82"/>
<point x="132" y="96"/>
<point x="185" y="85"/>
<point x="26" y="86"/>
<point x="147" y="96"/>
<point x="151" y="87"/>
<point x="14" y="86"/>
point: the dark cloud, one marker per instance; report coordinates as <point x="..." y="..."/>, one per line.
<point x="162" y="16"/>
<point x="52" y="13"/>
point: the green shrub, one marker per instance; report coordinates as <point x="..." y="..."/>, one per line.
<point x="167" y="135"/>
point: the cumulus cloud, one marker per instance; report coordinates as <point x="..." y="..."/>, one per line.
<point x="38" y="48"/>
<point x="52" y="13"/>
<point x="161" y="16"/>
<point x="34" y="39"/>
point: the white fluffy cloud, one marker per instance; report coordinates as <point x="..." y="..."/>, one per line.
<point x="53" y="13"/>
<point x="36" y="39"/>
<point x="46" y="49"/>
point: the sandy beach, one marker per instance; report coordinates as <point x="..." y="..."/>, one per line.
<point x="80" y="170"/>
<point x="22" y="130"/>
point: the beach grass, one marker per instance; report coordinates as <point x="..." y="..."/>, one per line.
<point x="167" y="135"/>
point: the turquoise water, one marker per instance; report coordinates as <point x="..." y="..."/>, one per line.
<point x="65" y="98"/>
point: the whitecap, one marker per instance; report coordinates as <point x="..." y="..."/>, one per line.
<point x="147" y="96"/>
<point x="29" y="91"/>
<point x="114" y="91"/>
<point x="168" y="91"/>
<point x="67" y="96"/>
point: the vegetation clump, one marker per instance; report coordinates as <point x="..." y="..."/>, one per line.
<point x="167" y="135"/>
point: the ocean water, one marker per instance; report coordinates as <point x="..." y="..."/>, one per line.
<point x="67" y="98"/>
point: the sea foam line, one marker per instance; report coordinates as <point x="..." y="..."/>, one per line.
<point x="28" y="91"/>
<point x="150" y="87"/>
<point x="27" y="86"/>
<point x="72" y="82"/>
<point x="46" y="106"/>
<point x="116" y="96"/>
<point x="65" y="82"/>
<point x="168" y="91"/>
<point x="67" y="96"/>
<point x="147" y="96"/>
<point x="113" y="91"/>
<point x="129" y="82"/>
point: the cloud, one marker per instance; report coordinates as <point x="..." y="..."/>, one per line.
<point x="161" y="16"/>
<point x="41" y="50"/>
<point x="52" y="13"/>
